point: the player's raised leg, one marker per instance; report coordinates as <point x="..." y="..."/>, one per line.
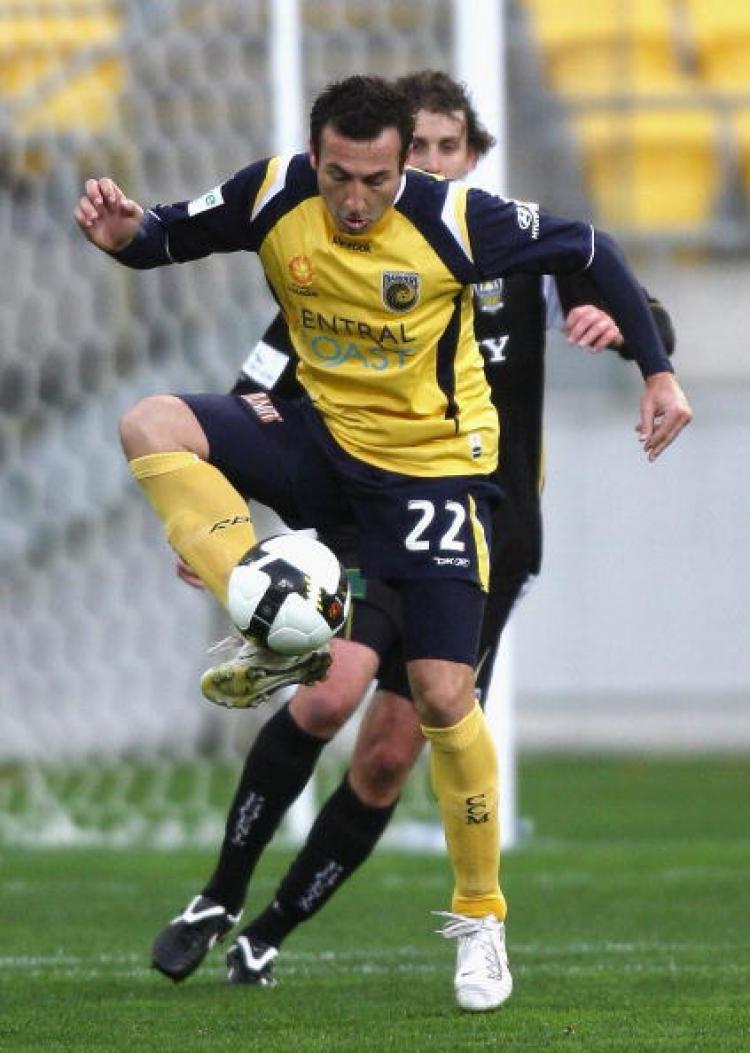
<point x="198" y="458"/>
<point x="205" y="519"/>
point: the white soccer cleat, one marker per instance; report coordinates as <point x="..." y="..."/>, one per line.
<point x="482" y="979"/>
<point x="251" y="962"/>
<point x="254" y="673"/>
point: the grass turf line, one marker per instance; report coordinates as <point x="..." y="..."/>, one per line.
<point x="628" y="932"/>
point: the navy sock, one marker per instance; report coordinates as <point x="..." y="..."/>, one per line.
<point x="276" y="771"/>
<point x="342" y="837"/>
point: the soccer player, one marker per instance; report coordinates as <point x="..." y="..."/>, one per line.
<point x="372" y="268"/>
<point x="512" y="317"/>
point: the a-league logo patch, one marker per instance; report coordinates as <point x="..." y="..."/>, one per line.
<point x="400" y="290"/>
<point x="489" y="296"/>
<point x="301" y="270"/>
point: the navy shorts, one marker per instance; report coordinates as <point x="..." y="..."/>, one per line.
<point x="415" y="618"/>
<point x="378" y="616"/>
<point x="379" y="628"/>
<point x="433" y="533"/>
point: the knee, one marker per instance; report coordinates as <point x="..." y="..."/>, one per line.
<point x="443" y="692"/>
<point x="323" y="708"/>
<point x="161" y="424"/>
<point x="139" y="426"/>
<point x="379" y="771"/>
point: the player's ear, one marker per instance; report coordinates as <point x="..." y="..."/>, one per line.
<point x="313" y="155"/>
<point x="472" y="158"/>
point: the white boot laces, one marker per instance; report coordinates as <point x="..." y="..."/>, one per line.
<point x="459" y="926"/>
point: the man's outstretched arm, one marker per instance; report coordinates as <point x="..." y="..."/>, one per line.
<point x="509" y="236"/>
<point x="664" y="408"/>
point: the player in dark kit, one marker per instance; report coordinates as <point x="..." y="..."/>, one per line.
<point x="511" y="317"/>
<point x="396" y="434"/>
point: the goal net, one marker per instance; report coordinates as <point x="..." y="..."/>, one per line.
<point x="103" y="734"/>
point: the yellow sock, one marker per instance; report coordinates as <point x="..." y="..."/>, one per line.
<point x="464" y="777"/>
<point x="206" y="521"/>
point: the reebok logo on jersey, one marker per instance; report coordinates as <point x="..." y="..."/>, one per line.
<point x="527" y="213"/>
<point x="355" y="246"/>
<point x="211" y="199"/>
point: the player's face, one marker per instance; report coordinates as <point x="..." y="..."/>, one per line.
<point x="440" y="144"/>
<point x="358" y="179"/>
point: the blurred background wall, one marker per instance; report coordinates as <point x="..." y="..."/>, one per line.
<point x="635" y="113"/>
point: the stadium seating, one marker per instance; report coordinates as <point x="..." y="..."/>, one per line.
<point x="56" y="71"/>
<point x="720" y="36"/>
<point x="609" y="47"/>
<point x="742" y="140"/>
<point x="653" y="170"/>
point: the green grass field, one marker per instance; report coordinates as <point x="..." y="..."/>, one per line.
<point x="629" y="931"/>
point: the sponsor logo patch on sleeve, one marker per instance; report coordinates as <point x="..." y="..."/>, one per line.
<point x="527" y="213"/>
<point x="211" y="199"/>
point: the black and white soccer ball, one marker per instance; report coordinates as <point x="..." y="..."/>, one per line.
<point x="290" y="593"/>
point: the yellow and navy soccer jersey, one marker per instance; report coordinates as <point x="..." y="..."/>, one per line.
<point x="383" y="322"/>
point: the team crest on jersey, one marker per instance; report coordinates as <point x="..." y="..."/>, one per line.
<point x="400" y="290"/>
<point x="489" y="296"/>
<point x="300" y="268"/>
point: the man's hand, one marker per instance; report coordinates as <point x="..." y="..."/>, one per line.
<point x="188" y="575"/>
<point x="591" y="328"/>
<point x="107" y="218"/>
<point x="664" y="413"/>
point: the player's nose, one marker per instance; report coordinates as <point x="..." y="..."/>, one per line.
<point x="432" y="162"/>
<point x="356" y="199"/>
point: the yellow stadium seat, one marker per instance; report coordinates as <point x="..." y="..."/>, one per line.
<point x="720" y="32"/>
<point x="608" y="47"/>
<point x="651" y="170"/>
<point x="742" y="138"/>
<point x="43" y="67"/>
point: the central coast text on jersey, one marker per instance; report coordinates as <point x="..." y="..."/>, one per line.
<point x="382" y="322"/>
<point x="388" y="358"/>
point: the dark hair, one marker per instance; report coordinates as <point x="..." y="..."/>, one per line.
<point x="436" y="92"/>
<point x="361" y="108"/>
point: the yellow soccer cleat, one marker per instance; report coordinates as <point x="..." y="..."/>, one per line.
<point x="253" y="674"/>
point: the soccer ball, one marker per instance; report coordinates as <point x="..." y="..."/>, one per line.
<point x="290" y="593"/>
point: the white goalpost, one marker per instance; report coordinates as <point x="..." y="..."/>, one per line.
<point x="479" y="61"/>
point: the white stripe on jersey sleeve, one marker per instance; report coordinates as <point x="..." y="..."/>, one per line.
<point x="150" y="212"/>
<point x="448" y="217"/>
<point x="275" y="188"/>
<point x="555" y="315"/>
<point x="401" y="187"/>
<point x="591" y="254"/>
